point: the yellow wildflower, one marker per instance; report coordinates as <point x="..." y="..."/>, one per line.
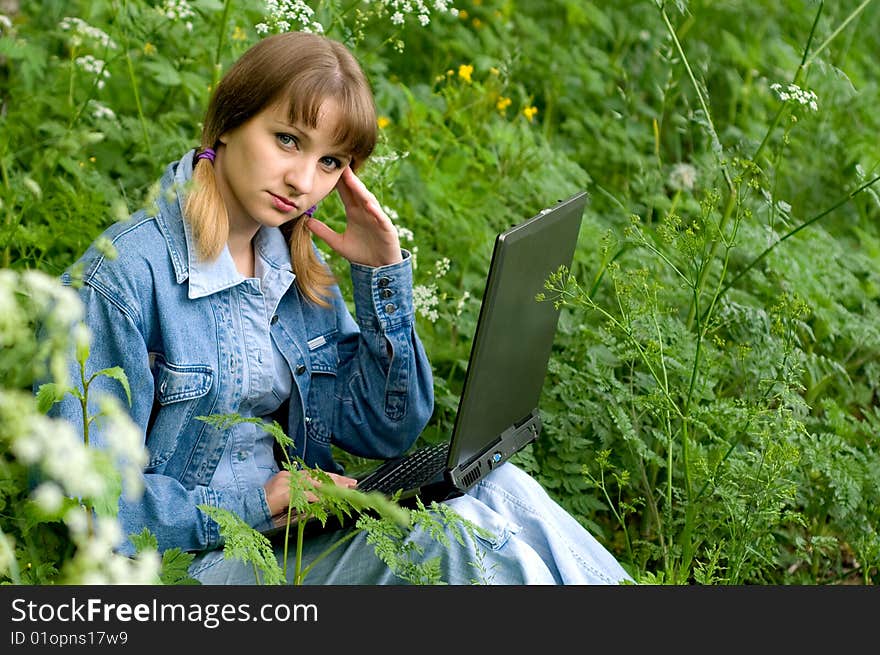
<point x="462" y="13"/>
<point x="149" y="49"/>
<point x="465" y="71"/>
<point x="502" y="104"/>
<point x="529" y="112"/>
<point x="477" y="23"/>
<point x="239" y="34"/>
<point x="383" y="122"/>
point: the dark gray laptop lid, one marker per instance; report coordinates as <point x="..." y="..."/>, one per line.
<point x="513" y="342"/>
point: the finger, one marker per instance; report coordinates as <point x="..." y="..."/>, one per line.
<point x="354" y="193"/>
<point x="323" y="231"/>
<point x="343" y="481"/>
<point x="345" y="187"/>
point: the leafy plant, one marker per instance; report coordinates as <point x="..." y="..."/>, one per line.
<point x="314" y="496"/>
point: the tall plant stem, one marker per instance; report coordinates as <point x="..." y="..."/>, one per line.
<point x="798" y="74"/>
<point x="221" y="42"/>
<point x="845" y="199"/>
<point x="84" y="404"/>
<point x="4" y="175"/>
<point x="135" y="89"/>
<point x="719" y="151"/>
<point x="702" y="100"/>
<point x="839" y="29"/>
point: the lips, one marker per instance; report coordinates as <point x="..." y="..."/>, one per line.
<point x="282" y="204"/>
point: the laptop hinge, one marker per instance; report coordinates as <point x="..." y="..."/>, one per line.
<point x="509" y="442"/>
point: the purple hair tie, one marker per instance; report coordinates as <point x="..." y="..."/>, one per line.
<point x="310" y="211"/>
<point x="207" y="153"/>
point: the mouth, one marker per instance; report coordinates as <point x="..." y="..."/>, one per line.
<point x="282" y="204"/>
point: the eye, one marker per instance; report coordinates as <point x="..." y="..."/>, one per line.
<point x="286" y="140"/>
<point x="331" y="163"/>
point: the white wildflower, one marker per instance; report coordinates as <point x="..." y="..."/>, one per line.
<point x="383" y="160"/>
<point x="441" y="267"/>
<point x="5" y="23"/>
<point x="79" y="29"/>
<point x="95" y="66"/>
<point x="404" y="233"/>
<point x="287" y="15"/>
<point x="32" y="186"/>
<point x="82" y="340"/>
<point x="26" y="450"/>
<point x="397" y="18"/>
<point x="793" y="92"/>
<point x="77" y="520"/>
<point x="48" y="497"/>
<point x="459" y="306"/>
<point x="178" y="10"/>
<point x="425" y="301"/>
<point x="682" y="177"/>
<point x="101" y="112"/>
<point x="125" y="444"/>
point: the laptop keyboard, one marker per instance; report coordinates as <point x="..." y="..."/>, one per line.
<point x="410" y="472"/>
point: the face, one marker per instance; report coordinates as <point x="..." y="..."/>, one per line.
<point x="269" y="171"/>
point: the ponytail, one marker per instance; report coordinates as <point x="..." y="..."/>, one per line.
<point x="313" y="277"/>
<point x="206" y="212"/>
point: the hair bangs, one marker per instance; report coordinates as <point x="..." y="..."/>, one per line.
<point x="356" y="131"/>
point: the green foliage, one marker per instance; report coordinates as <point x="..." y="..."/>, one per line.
<point x="315" y="496"/>
<point x="175" y="562"/>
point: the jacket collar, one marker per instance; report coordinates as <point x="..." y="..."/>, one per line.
<point x="208" y="277"/>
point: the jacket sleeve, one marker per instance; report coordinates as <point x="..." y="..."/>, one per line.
<point x="168" y="509"/>
<point x="385" y="391"/>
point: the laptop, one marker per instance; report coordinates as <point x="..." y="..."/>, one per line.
<point x="498" y="411"/>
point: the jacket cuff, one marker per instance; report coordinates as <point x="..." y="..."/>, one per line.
<point x="250" y="506"/>
<point x="383" y="296"/>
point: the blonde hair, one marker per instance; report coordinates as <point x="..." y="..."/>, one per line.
<point x="302" y="70"/>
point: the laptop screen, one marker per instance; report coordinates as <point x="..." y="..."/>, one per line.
<point x="515" y="333"/>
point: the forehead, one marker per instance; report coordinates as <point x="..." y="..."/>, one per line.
<point x="328" y="120"/>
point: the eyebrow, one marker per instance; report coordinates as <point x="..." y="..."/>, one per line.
<point x="337" y="152"/>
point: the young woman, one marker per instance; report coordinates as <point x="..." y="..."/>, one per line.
<point x="219" y="303"/>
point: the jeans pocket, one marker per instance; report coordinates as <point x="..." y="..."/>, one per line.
<point x="492" y="530"/>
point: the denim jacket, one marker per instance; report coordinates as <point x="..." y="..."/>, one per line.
<point x="364" y="385"/>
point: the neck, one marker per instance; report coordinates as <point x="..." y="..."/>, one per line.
<point x="241" y="247"/>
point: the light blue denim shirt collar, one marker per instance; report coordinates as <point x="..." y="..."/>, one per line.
<point x="272" y="264"/>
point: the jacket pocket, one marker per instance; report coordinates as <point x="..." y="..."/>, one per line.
<point x="323" y="354"/>
<point x="324" y="365"/>
<point x="177" y="390"/>
<point x="180" y="382"/>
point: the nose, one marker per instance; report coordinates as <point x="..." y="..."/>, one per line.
<point x="300" y="175"/>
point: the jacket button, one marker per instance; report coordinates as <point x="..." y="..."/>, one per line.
<point x="386" y="293"/>
<point x="384" y="282"/>
<point x="390" y="308"/>
<point x="300" y="369"/>
<point x="273" y="320"/>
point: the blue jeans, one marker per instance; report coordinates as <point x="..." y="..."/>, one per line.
<point x="534" y="542"/>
